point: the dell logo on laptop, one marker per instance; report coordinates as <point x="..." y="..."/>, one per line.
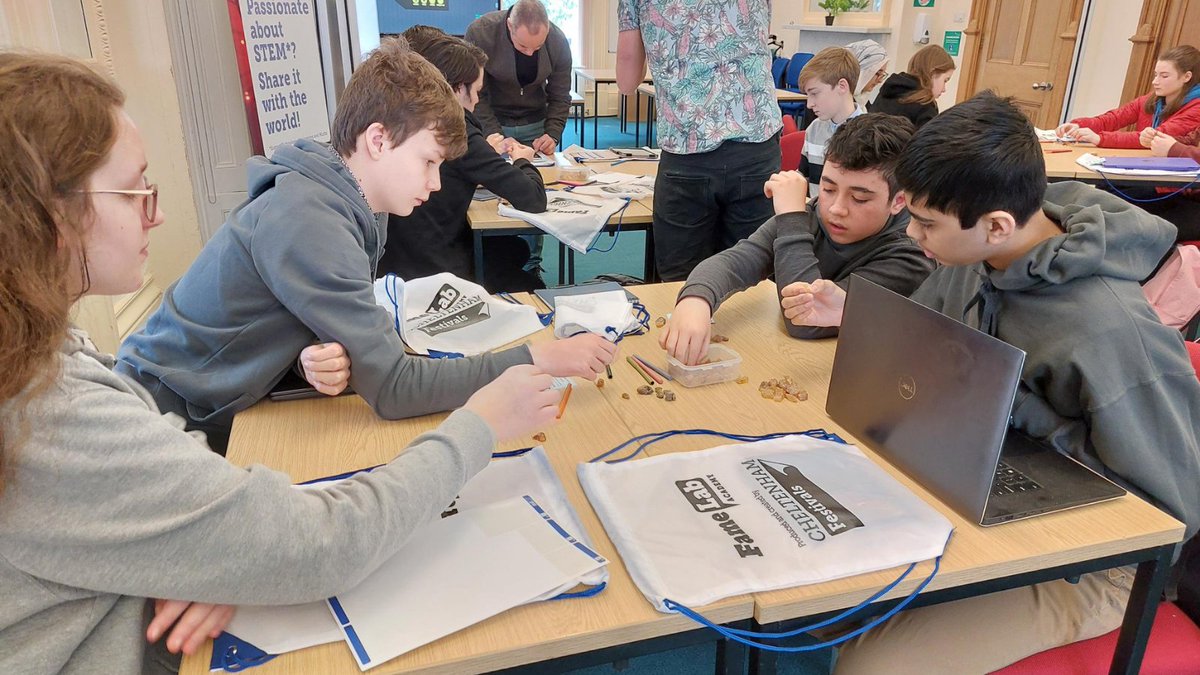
<point x="908" y="387"/>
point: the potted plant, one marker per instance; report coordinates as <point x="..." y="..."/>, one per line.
<point x="834" y="7"/>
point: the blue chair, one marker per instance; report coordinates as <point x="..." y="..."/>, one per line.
<point x="792" y="77"/>
<point x="778" y="68"/>
<point x="799" y="60"/>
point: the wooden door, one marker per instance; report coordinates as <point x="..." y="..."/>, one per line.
<point x="1163" y="24"/>
<point x="1022" y="49"/>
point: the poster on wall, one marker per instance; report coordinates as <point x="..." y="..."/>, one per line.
<point x="279" y="63"/>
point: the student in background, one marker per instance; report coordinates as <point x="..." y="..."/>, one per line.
<point x="856" y="226"/>
<point x="1055" y="271"/>
<point x="436" y="237"/>
<point x="296" y="263"/>
<point x="718" y="121"/>
<point x="829" y="79"/>
<point x="872" y="67"/>
<point x="872" y="71"/>
<point x="914" y="93"/>
<point x="105" y="503"/>
<point x="1172" y="107"/>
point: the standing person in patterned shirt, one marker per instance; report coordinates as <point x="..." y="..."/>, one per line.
<point x="718" y="122"/>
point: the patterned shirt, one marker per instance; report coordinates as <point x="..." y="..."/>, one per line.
<point x="711" y="68"/>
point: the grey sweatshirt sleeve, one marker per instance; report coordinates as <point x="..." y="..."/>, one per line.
<point x="316" y="266"/>
<point x="735" y="269"/>
<point x="796" y="260"/>
<point x="558" y="88"/>
<point x="111" y="496"/>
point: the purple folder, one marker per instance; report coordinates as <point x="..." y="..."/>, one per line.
<point x="1184" y="164"/>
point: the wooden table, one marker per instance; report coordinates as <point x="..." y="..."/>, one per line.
<point x="781" y="96"/>
<point x="1061" y="164"/>
<point x="486" y="221"/>
<point x="598" y="76"/>
<point x="320" y="437"/>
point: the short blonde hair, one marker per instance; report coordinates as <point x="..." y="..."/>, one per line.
<point x="830" y="66"/>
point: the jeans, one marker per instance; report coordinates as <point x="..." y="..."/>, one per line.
<point x="527" y="134"/>
<point x="707" y="202"/>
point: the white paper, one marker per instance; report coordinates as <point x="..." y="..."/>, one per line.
<point x="581" y="154"/>
<point x="617" y="185"/>
<point x="456" y="572"/>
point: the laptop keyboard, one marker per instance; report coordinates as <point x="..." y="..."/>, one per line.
<point x="1008" y="481"/>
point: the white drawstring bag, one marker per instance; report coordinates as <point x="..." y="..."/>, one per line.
<point x="616" y="185"/>
<point x="756" y="517"/>
<point x="609" y="314"/>
<point x="575" y="220"/>
<point x="258" y="633"/>
<point x="443" y="315"/>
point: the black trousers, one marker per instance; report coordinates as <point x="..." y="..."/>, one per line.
<point x="707" y="202"/>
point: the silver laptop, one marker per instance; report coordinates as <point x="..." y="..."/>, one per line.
<point x="934" y="397"/>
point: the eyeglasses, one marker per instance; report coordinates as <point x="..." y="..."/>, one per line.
<point x="149" y="205"/>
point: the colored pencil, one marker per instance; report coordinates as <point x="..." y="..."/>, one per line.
<point x="562" y="405"/>
<point x="653" y="367"/>
<point x="633" y="364"/>
<point x="653" y="375"/>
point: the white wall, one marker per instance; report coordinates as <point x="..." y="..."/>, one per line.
<point x="1104" y="57"/>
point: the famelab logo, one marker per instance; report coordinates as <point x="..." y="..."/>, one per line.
<point x="451" y="310"/>
<point x="707" y="495"/>
<point x="814" y="511"/>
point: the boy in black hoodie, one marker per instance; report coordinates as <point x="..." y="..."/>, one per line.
<point x="1053" y="270"/>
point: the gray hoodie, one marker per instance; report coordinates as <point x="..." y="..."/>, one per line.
<point x="109" y="503"/>
<point x="1104" y="380"/>
<point x="794" y="247"/>
<point x="293" y="265"/>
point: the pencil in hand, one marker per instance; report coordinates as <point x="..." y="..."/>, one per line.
<point x="562" y="404"/>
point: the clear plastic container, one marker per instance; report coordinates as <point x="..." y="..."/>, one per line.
<point x="724" y="365"/>
<point x="575" y="173"/>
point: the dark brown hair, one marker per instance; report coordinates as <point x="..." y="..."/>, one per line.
<point x="871" y="142"/>
<point x="927" y="63"/>
<point x="57" y="125"/>
<point x="1186" y="59"/>
<point x="458" y="60"/>
<point x="398" y="89"/>
<point x="418" y="35"/>
<point x="831" y="65"/>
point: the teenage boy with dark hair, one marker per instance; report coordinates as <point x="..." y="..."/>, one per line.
<point x="436" y="237"/>
<point x="1053" y="270"/>
<point x="858" y="226"/>
<point x="296" y="262"/>
<point x="829" y="80"/>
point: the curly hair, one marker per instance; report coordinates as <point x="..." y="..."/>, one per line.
<point x="57" y="125"/>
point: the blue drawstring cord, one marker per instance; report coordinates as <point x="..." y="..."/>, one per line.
<point x="1150" y="200"/>
<point x="389" y="287"/>
<point x="819" y="434"/>
<point x="616" y="234"/>
<point x="737" y="635"/>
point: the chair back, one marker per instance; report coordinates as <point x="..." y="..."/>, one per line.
<point x="799" y="60"/>
<point x="790" y="147"/>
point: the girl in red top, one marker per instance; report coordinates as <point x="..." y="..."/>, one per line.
<point x="1173" y="107"/>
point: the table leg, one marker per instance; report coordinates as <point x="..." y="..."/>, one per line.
<point x="733" y="658"/>
<point x="596" y="113"/>
<point x="1139" y="613"/>
<point x="562" y="260"/>
<point x="571" y="266"/>
<point x="624" y="108"/>
<point x="648" y="269"/>
<point x="477" y="235"/>
<point x="637" y="126"/>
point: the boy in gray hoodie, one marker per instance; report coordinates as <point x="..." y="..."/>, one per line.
<point x="296" y="262"/>
<point x="856" y="225"/>
<point x="1053" y="270"/>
